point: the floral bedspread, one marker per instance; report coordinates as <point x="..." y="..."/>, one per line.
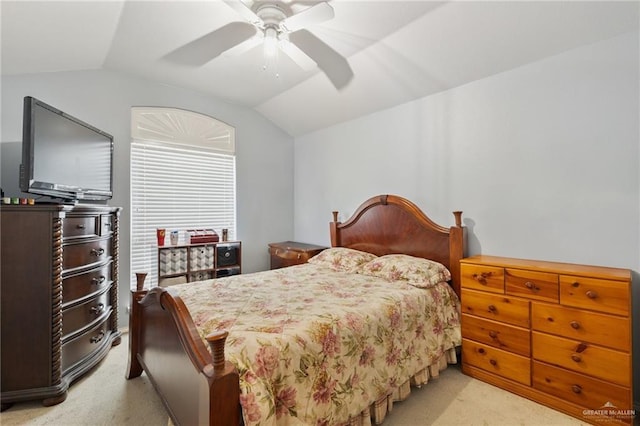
<point x="316" y="347"/>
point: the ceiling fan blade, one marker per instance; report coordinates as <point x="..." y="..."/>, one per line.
<point x="246" y="12"/>
<point x="297" y="55"/>
<point x="314" y="15"/>
<point x="209" y="46"/>
<point x="245" y="46"/>
<point x="335" y="67"/>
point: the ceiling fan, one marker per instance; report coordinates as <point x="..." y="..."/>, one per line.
<point x="268" y="24"/>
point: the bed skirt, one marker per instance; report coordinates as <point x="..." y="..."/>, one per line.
<point x="376" y="413"/>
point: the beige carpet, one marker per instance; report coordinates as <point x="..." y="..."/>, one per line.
<point x="105" y="397"/>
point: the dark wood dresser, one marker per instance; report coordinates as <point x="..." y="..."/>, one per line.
<point x="289" y="253"/>
<point x="59" y="289"/>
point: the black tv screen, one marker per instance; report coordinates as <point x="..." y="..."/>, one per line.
<point x="64" y="157"/>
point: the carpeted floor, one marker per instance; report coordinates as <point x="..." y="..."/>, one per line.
<point x="105" y="397"/>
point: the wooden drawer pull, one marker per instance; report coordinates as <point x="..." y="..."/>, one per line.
<point x="481" y="351"/>
<point x="576" y="358"/>
<point x="576" y="389"/>
<point x="575" y="325"/>
<point x="493" y="362"/>
<point x="493" y="334"/>
<point x="492" y="308"/>
<point x="531" y="286"/>
<point x="482" y="277"/>
<point x="592" y="294"/>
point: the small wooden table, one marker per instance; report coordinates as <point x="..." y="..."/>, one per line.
<point x="289" y="253"/>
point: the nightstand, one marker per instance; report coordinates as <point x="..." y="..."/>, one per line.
<point x="289" y="253"/>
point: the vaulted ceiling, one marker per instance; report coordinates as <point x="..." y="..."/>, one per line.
<point x="397" y="51"/>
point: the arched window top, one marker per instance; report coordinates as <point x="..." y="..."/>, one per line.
<point x="179" y="126"/>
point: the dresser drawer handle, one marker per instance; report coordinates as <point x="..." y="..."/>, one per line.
<point x="493" y="334"/>
<point x="482" y="278"/>
<point x="98" y="309"/>
<point x="481" y="351"/>
<point x="576" y="389"/>
<point x="491" y="308"/>
<point x="493" y="362"/>
<point x="592" y="294"/>
<point x="531" y="286"/>
<point x="98" y="338"/>
<point x="97" y="252"/>
<point x="80" y="226"/>
<point x="98" y="281"/>
<point x="575" y="325"/>
<point x="576" y="358"/>
<point x="299" y="255"/>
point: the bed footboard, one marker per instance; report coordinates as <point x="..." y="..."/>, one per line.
<point x="195" y="387"/>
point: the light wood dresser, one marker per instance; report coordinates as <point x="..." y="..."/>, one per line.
<point x="556" y="333"/>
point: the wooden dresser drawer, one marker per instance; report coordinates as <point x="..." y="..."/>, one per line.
<point x="586" y="358"/>
<point x="80" y="316"/>
<point x="83" y="254"/>
<point x="80" y="226"/>
<point x="532" y="285"/>
<point x="86" y="284"/>
<point x="497" y="334"/>
<point x="508" y="309"/>
<point x="585" y="391"/>
<point x="482" y="277"/>
<point x="107" y="223"/>
<point x="599" y="295"/>
<point x="584" y="326"/>
<point x="84" y="345"/>
<point x="502" y="363"/>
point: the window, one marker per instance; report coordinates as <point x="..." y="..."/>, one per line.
<point x="183" y="177"/>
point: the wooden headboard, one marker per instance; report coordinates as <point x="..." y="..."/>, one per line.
<point x="389" y="224"/>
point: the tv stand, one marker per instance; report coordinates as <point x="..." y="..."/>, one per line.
<point x="59" y="306"/>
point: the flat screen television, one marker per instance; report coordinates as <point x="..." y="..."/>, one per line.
<point x="63" y="157"/>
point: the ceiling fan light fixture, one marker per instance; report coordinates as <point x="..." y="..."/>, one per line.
<point x="270" y="42"/>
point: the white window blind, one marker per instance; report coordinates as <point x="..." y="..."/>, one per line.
<point x="177" y="185"/>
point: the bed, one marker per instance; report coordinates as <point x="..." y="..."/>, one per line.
<point x="331" y="342"/>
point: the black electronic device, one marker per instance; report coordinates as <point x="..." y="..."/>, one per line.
<point x="227" y="255"/>
<point x="64" y="157"/>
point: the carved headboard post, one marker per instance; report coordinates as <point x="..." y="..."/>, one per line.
<point x="335" y="240"/>
<point x="456" y="250"/>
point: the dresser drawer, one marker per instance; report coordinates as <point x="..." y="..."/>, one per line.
<point x="107" y="222"/>
<point x="80" y="316"/>
<point x="201" y="257"/>
<point x="585" y="391"/>
<point x="506" y="309"/>
<point x="80" y="226"/>
<point x="497" y="334"/>
<point x="532" y="285"/>
<point x="502" y="363"/>
<point x="83" y="254"/>
<point x="81" y="347"/>
<point x="482" y="277"/>
<point x="172" y="261"/>
<point x="599" y="295"/>
<point x="86" y="284"/>
<point x="586" y="358"/>
<point x="584" y="326"/>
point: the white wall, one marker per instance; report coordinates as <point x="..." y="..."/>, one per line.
<point x="264" y="153"/>
<point x="543" y="160"/>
